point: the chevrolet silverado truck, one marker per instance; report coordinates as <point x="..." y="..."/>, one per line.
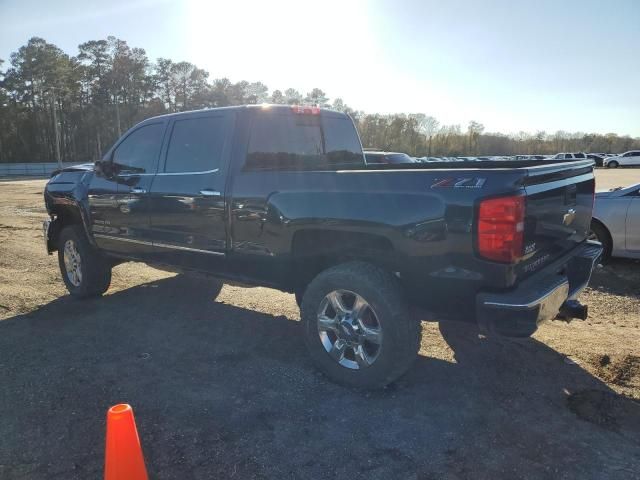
<point x="282" y="197"/>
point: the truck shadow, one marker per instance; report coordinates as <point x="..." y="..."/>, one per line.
<point x="222" y="391"/>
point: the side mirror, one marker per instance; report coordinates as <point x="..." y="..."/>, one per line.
<point x="103" y="168"/>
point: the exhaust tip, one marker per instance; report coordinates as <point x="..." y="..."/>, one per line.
<point x="573" y="309"/>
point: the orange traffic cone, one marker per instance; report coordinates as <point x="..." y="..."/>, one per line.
<point x="123" y="453"/>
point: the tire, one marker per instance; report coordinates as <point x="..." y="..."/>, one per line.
<point x="395" y="335"/>
<point x="601" y="234"/>
<point x="613" y="164"/>
<point x="94" y="275"/>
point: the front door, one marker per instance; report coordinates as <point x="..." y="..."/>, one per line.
<point x="119" y="201"/>
<point x="633" y="224"/>
<point x="187" y="198"/>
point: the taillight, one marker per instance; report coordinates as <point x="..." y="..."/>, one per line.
<point x="305" y="110"/>
<point x="501" y="228"/>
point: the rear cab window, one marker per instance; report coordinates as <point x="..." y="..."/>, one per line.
<point x="283" y="140"/>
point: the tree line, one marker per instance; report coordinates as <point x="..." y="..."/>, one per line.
<point x="54" y="106"/>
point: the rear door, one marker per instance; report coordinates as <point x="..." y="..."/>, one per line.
<point x="187" y="198"/>
<point x="633" y="224"/>
<point x="632" y="158"/>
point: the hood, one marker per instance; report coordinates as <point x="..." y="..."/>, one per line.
<point x="83" y="167"/>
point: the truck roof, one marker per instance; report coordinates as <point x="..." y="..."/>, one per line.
<point x="260" y="106"/>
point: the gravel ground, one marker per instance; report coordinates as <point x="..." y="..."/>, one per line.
<point x="224" y="389"/>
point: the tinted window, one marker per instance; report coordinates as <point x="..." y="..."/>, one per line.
<point x="579" y="155"/>
<point x="196" y="145"/>
<point x="297" y="141"/>
<point x="632" y="154"/>
<point x="139" y="151"/>
<point x="341" y="141"/>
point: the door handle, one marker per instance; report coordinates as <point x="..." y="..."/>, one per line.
<point x="138" y="190"/>
<point x="210" y="193"/>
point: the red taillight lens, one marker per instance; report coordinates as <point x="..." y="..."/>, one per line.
<point x="501" y="228"/>
<point x="305" y="110"/>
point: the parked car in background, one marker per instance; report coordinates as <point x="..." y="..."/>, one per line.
<point x="616" y="221"/>
<point x="596" y="157"/>
<point x="630" y="158"/>
<point x="386" y="158"/>
<point x="531" y="157"/>
<point x="569" y="156"/>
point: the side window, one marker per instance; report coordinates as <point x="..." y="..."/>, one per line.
<point x="284" y="141"/>
<point x="632" y="154"/>
<point x="579" y="155"/>
<point x="341" y="141"/>
<point x="139" y="151"/>
<point x="289" y="141"/>
<point x="196" y="144"/>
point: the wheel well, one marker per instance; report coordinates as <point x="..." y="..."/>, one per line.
<point x="606" y="231"/>
<point x="316" y="250"/>
<point x="64" y="215"/>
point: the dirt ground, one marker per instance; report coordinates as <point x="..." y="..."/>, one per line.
<point x="224" y="389"/>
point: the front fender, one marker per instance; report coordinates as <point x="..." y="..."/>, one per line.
<point x="67" y="203"/>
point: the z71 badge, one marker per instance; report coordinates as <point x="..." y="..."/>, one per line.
<point x="467" y="182"/>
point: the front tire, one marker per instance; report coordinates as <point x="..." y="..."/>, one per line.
<point x="357" y="326"/>
<point x="613" y="164"/>
<point x="85" y="271"/>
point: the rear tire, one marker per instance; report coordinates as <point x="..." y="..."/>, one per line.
<point x="613" y="164"/>
<point x="374" y="341"/>
<point x="85" y="271"/>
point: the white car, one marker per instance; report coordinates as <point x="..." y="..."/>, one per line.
<point x="628" y="158"/>
<point x="616" y="221"/>
<point x="569" y="156"/>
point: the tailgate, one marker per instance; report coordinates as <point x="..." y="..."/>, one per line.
<point x="559" y="205"/>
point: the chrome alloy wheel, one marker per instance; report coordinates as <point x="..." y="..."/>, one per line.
<point x="349" y="329"/>
<point x="72" y="263"/>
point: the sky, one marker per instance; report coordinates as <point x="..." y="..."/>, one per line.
<point x="571" y="65"/>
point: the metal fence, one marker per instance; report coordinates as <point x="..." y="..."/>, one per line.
<point x="43" y="169"/>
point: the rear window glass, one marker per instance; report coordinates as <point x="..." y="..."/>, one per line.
<point x="287" y="141"/>
<point x="196" y="145"/>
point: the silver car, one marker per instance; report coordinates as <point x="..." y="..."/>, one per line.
<point x="616" y="221"/>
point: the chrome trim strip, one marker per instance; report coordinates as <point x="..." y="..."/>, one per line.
<point x="135" y="174"/>
<point x="188" y="249"/>
<point x="161" y="245"/>
<point x="531" y="304"/>
<point x="122" y="239"/>
<point x="166" y="174"/>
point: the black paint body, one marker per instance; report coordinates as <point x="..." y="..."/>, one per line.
<point x="280" y="228"/>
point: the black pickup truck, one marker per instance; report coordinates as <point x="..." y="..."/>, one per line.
<point x="282" y="197"/>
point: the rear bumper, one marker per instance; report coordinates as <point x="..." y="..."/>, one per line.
<point x="518" y="313"/>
